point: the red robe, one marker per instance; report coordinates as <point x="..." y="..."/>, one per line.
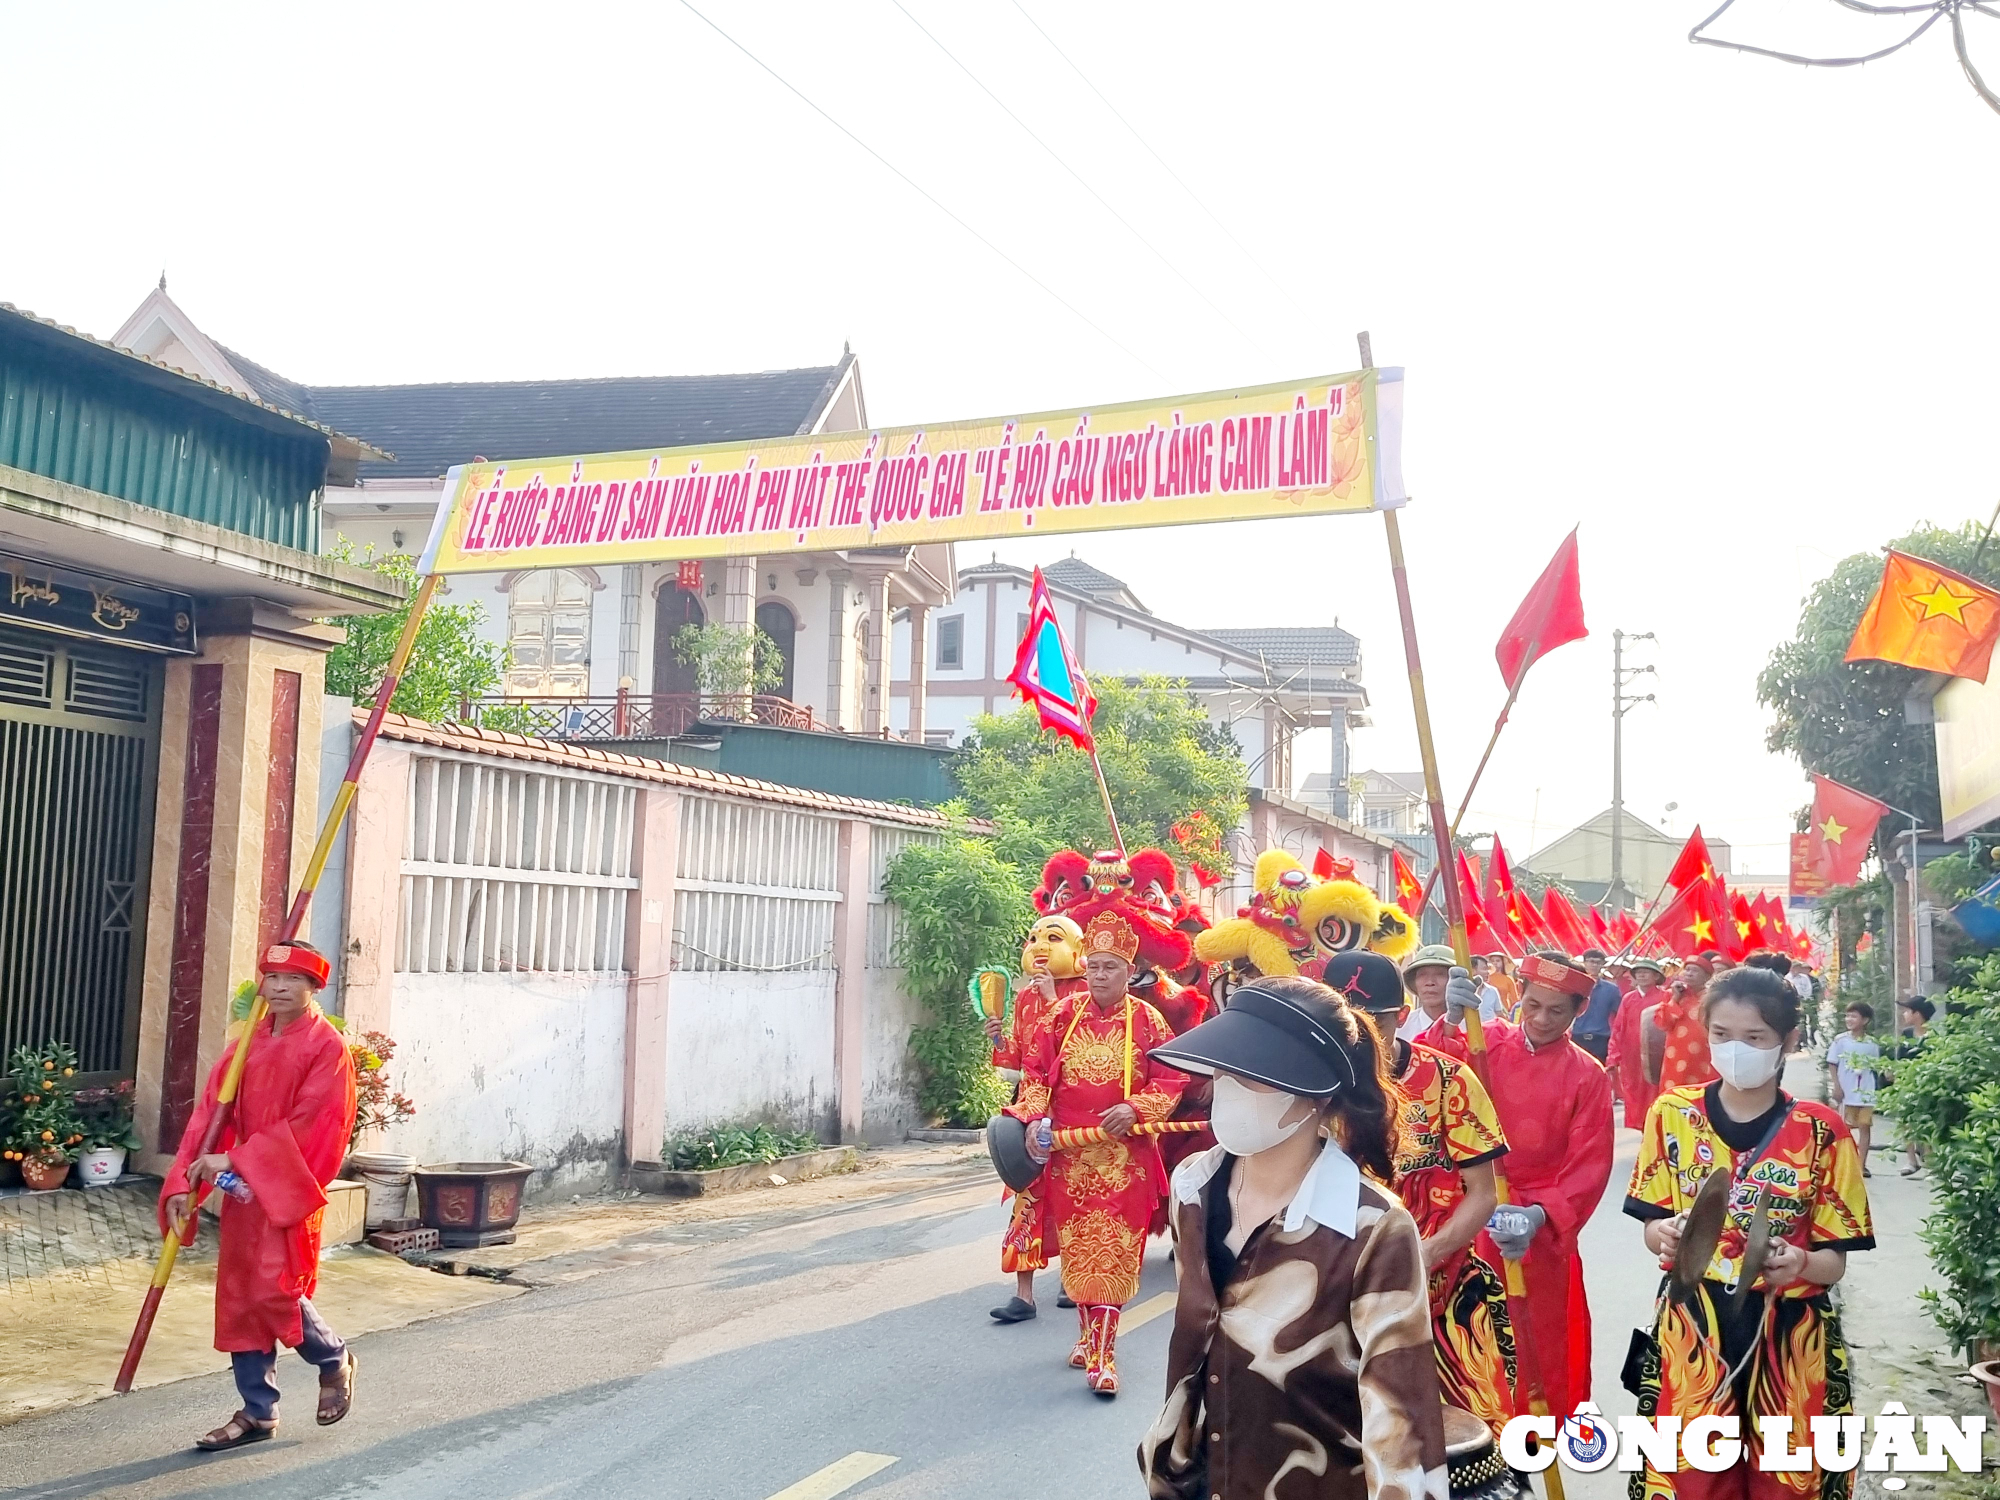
<point x="1101" y="1196"/>
<point x="286" y="1135"/>
<point x="1555" y="1107"/>
<point x="1686" y="1060"/>
<point x="1030" y="1237"/>
<point x="1627" y="1057"/>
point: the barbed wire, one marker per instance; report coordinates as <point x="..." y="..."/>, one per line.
<point x="1933" y="12"/>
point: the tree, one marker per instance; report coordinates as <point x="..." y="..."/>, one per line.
<point x="1176" y="778"/>
<point x="1846" y="720"/>
<point x="449" y="664"/>
<point x="729" y="660"/>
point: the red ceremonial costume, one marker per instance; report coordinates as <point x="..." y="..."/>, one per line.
<point x="1554" y="1103"/>
<point x="1627" y="1057"/>
<point x="1101" y="1196"/>
<point x="1686" y="1061"/>
<point x="286" y="1135"/>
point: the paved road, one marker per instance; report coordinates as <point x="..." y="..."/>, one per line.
<point x="840" y="1353"/>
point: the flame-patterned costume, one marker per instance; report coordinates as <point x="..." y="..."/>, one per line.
<point x="1797" y="1360"/>
<point x="1449" y="1124"/>
<point x="1101" y="1197"/>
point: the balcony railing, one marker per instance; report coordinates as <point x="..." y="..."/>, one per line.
<point x="634" y="716"/>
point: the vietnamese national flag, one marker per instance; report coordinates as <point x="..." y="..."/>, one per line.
<point x="1551" y="616"/>
<point x="1497" y="893"/>
<point x="1408" y="887"/>
<point x="1688" y="923"/>
<point x="1693" y="864"/>
<point x="1600" y="930"/>
<point x="1532" y="924"/>
<point x="1802" y="946"/>
<point x="1843" y="823"/>
<point x="1624" y="928"/>
<point x="1046" y="673"/>
<point x="1930" y="618"/>
<point x="1564" y="922"/>
<point x="1742" y="922"/>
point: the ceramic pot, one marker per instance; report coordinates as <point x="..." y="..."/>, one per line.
<point x="386" y="1175"/>
<point x="44" y="1174"/>
<point x="472" y="1202"/>
<point x="1988" y="1375"/>
<point x="101" y="1166"/>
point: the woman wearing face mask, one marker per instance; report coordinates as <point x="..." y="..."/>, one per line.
<point x="1777" y="1351"/>
<point x="1302" y="1300"/>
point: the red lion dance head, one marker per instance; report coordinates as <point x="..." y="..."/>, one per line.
<point x="1142" y="888"/>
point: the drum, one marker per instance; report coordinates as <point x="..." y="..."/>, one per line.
<point x="1652" y="1043"/>
<point x="1007" y="1144"/>
<point x="1473" y="1466"/>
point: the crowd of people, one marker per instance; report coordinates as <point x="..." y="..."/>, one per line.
<point x="1376" y="1232"/>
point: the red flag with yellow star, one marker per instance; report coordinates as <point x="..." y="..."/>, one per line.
<point x="1408" y="887"/>
<point x="1694" y="863"/>
<point x="1930" y="618"/>
<point x="1689" y="923"/>
<point x="1843" y="824"/>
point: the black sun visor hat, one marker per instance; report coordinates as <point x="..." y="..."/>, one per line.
<point x="1265" y="1037"/>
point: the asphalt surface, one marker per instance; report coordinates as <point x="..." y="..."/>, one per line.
<point x="736" y="1360"/>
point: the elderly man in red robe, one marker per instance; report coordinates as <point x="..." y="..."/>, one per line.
<point x="1627" y="1062"/>
<point x="1554" y="1103"/>
<point x="285" y="1136"/>
<point x="1092" y="1067"/>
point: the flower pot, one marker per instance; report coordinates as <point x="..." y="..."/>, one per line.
<point x="44" y="1174"/>
<point x="472" y="1202"/>
<point x="101" y="1167"/>
<point x="1988" y="1375"/>
<point x="386" y="1175"/>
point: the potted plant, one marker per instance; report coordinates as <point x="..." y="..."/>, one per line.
<point x="386" y="1174"/>
<point x="43" y="1127"/>
<point x="108" y="1135"/>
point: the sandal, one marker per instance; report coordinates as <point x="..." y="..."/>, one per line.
<point x="238" y="1430"/>
<point x="336" y="1392"/>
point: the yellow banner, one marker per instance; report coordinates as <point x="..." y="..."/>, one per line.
<point x="1310" y="447"/>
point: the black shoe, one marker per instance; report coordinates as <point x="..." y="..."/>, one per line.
<point x="1016" y="1311"/>
<point x="1062" y="1300"/>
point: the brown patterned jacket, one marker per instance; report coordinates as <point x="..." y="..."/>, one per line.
<point x="1313" y="1373"/>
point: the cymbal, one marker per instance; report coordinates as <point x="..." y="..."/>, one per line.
<point x="1702" y="1230"/>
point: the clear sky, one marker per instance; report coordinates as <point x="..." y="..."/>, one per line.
<point x="1734" y="319"/>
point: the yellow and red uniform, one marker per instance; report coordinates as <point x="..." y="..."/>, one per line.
<point x="1025" y="1245"/>
<point x="1794" y="1359"/>
<point x="1449" y="1124"/>
<point x="1100" y="1197"/>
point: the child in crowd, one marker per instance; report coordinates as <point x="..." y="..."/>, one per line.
<point x="1851" y="1057"/>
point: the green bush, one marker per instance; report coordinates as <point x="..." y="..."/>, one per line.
<point x="961" y="907"/>
<point x="1948" y="1099"/>
<point x="735" y="1146"/>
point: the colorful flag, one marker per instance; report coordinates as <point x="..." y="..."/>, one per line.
<point x="1687" y="924"/>
<point x="1408" y="887"/>
<point x="1693" y="864"/>
<point x="1046" y="673"/>
<point x="1323" y="864"/>
<point x="1551" y="616"/>
<point x="1843" y="823"/>
<point x="1930" y="618"/>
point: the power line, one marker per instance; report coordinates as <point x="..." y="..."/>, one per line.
<point x="1060" y="161"/>
<point x="1198" y="203"/>
<point x="926" y="194"/>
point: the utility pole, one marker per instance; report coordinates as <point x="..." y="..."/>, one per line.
<point x="1622" y="703"/>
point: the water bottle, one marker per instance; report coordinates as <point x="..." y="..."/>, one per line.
<point x="235" y="1187"/>
<point x="1508" y="1221"/>
<point x="1044" y="1137"/>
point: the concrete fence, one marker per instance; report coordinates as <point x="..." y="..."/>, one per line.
<point x="578" y="953"/>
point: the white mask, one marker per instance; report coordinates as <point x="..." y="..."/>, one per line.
<point x="1245" y="1121"/>
<point x="1744" y="1066"/>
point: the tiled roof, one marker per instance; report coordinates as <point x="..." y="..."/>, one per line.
<point x="431" y="427"/>
<point x="474" y="741"/>
<point x="1075" y="573"/>
<point x="1284" y="645"/>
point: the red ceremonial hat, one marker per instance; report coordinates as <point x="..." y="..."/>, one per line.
<point x="1557" y="975"/>
<point x="292" y="958"/>
<point x="1110" y="933"/>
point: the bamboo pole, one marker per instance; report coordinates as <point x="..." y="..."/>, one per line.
<point x="1104" y="791"/>
<point x="232" y="1077"/>
<point x="1528" y="1376"/>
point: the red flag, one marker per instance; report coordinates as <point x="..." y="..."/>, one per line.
<point x="1484" y="935"/>
<point x="1408" y="887"/>
<point x="1323" y="864"/>
<point x="1534" y="930"/>
<point x="1928" y="617"/>
<point x="1624" y="928"/>
<point x="1802" y="945"/>
<point x="1843" y="822"/>
<point x="1687" y="925"/>
<point x="1564" y="922"/>
<point x="1764" y="911"/>
<point x="1694" y="863"/>
<point x="1601" y="930"/>
<point x="1046" y="673"/>
<point x="1551" y="616"/>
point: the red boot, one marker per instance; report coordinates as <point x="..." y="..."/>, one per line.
<point x="1079" y="1357"/>
<point x="1101" y="1368"/>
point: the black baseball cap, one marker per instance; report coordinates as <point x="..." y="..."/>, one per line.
<point x="1366" y="981"/>
<point x="1268" y="1037"/>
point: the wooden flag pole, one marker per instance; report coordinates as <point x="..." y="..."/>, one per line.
<point x="232" y="1077"/>
<point x="1528" y="1375"/>
<point x="1479" y="770"/>
<point x="1104" y="791"/>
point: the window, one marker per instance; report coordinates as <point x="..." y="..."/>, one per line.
<point x="1379" y="817"/>
<point x="548" y="635"/>
<point x="951" y="643"/>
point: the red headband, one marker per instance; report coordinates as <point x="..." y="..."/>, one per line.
<point x="283" y="958"/>
<point x="1558" y="976"/>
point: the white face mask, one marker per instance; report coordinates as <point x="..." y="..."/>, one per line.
<point x="1245" y="1121"/>
<point x="1744" y="1066"/>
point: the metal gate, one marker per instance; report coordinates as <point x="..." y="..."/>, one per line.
<point x="79" y="735"/>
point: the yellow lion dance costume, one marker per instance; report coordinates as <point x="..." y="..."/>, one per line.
<point x="1296" y="921"/>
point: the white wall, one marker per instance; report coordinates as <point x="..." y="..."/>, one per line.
<point x="751" y="1046"/>
<point x="889" y="1086"/>
<point x="522" y="1067"/>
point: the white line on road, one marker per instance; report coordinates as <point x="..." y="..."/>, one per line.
<point x="836" y="1478"/>
<point x="1146" y="1311"/>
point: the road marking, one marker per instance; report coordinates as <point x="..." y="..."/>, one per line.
<point x="1146" y="1311"/>
<point x="836" y="1478"/>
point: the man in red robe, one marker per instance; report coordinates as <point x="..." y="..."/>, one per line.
<point x="1092" y="1068"/>
<point x="1627" y="1060"/>
<point x="1554" y="1104"/>
<point x="286" y="1134"/>
<point x="1685" y="1060"/>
